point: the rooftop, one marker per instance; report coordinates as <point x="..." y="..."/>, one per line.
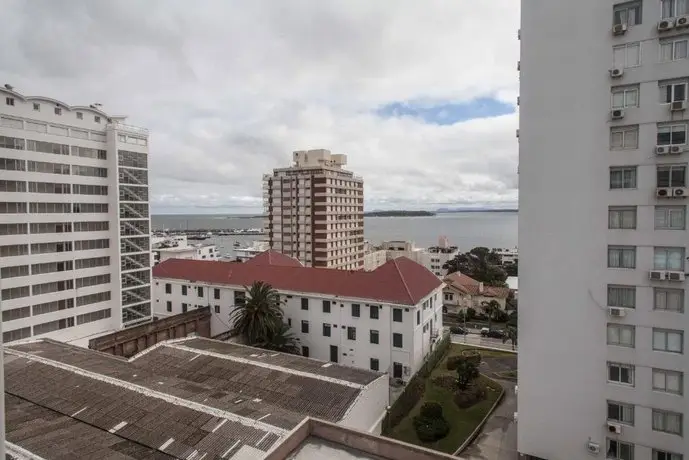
<point x="179" y="399"/>
<point x="271" y="257"/>
<point x="399" y="281"/>
<point x="469" y="285"/>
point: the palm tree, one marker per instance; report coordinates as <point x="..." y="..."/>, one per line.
<point x="281" y="339"/>
<point x="511" y="335"/>
<point x="260" y="315"/>
<point x="489" y="308"/>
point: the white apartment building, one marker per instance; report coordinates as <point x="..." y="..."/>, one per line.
<point x="177" y="247"/>
<point x="602" y="230"/>
<point x="433" y="258"/>
<point x="315" y="211"/>
<point x="74" y="225"/>
<point x="256" y="248"/>
<point x="387" y="319"/>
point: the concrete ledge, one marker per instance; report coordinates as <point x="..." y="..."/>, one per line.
<point x="480" y="426"/>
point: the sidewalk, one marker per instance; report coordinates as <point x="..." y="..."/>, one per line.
<point x="498" y="439"/>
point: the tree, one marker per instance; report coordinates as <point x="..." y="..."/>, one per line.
<point x="467" y="372"/>
<point x="490" y="309"/>
<point x="480" y="264"/>
<point x="281" y="339"/>
<point x="430" y="425"/>
<point x="511" y="335"/>
<point x="512" y="269"/>
<point x="259" y="316"/>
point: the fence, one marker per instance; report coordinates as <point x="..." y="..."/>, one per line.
<point x="415" y="388"/>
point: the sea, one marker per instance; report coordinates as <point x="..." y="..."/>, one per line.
<point x="463" y="229"/>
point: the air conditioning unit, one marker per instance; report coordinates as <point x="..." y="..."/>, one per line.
<point x="682" y="21"/>
<point x="662" y="149"/>
<point x="676" y="106"/>
<point x="616" y="73"/>
<point x="675" y="276"/>
<point x="657" y="275"/>
<point x="665" y="24"/>
<point x="680" y="192"/>
<point x="614" y="428"/>
<point x="676" y="149"/>
<point x="663" y="192"/>
<point x="617" y="114"/>
<point x="593" y="448"/>
<point x="616" y="312"/>
<point x="619" y="29"/>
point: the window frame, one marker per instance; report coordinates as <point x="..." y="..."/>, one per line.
<point x="326" y="306"/>
<point x="664" y="414"/>
<point x="668" y="211"/>
<point x="662" y="88"/>
<point x="620" y="212"/>
<point x="622" y="417"/>
<point x="375" y="361"/>
<point x="628" y="445"/>
<point x="621" y="295"/>
<point x="672" y="129"/>
<point x="625" y="91"/>
<point x="356" y="308"/>
<point x="620" y="328"/>
<point x="304" y="303"/>
<point x="666" y="291"/>
<point x="351" y="333"/>
<point x="396" y="335"/>
<point x="624" y="132"/>
<point x="397" y="312"/>
<point x="678" y="252"/>
<point x="671" y="169"/>
<point x="620" y="7"/>
<point x="623" y="170"/>
<point x="673" y="52"/>
<point x="631" y="371"/>
<point x="667" y="455"/>
<point x="673" y="9"/>
<point x="621" y="257"/>
<point x="665" y="373"/>
<point x="626" y="47"/>
<point x="304" y="326"/>
<point x="372" y="309"/>
<point x="327" y="327"/>
<point x="667" y="332"/>
<point x="371" y="334"/>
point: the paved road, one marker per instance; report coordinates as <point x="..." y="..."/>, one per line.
<point x="478" y="341"/>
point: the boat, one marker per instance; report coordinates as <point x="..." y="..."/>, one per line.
<point x="236" y="244"/>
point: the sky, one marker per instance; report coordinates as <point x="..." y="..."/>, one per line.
<point x="420" y="95"/>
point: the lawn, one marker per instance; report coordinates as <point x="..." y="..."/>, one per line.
<point x="457" y="347"/>
<point x="462" y="421"/>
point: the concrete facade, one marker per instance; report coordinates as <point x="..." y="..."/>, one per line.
<point x="612" y="385"/>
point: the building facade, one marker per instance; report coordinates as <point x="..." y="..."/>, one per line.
<point x="178" y="247"/>
<point x="602" y="229"/>
<point x="75" y="226"/>
<point x="315" y="211"/>
<point x="388" y="319"/>
<point x="462" y="292"/>
<point x="433" y="258"/>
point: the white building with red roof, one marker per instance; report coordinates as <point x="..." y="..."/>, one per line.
<point x="387" y="319"/>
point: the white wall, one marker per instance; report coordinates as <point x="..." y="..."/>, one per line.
<point x="367" y="410"/>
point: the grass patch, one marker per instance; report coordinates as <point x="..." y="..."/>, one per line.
<point x="457" y="347"/>
<point x="462" y="421"/>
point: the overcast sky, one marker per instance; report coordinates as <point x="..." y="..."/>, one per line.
<point x="420" y="94"/>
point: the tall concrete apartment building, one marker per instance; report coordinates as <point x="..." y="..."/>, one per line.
<point x="74" y="220"/>
<point x="603" y="233"/>
<point x="315" y="211"/>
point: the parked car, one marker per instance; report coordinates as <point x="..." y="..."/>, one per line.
<point x="458" y="330"/>
<point x="493" y="334"/>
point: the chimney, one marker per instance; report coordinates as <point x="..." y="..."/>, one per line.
<point x="480" y="287"/>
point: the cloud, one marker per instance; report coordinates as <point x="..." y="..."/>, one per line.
<point x="230" y="88"/>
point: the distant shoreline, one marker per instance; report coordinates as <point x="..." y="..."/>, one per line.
<point x="366" y="214"/>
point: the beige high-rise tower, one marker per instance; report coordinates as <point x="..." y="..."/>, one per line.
<point x="315" y="211"/>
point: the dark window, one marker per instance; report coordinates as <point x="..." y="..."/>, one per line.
<point x="305" y="351"/>
<point x="184" y="290"/>
<point x="397" y="340"/>
<point x="305" y="327"/>
<point x="184" y="308"/>
<point x="671" y="176"/>
<point x="375" y="365"/>
<point x="356" y="310"/>
<point x="199" y="291"/>
<point x="217" y="308"/>
<point x="418" y="318"/>
<point x="289" y="322"/>
<point x="239" y="298"/>
<point x="326" y="306"/>
<point x="168" y="288"/>
<point x="374" y="336"/>
<point x="326" y="330"/>
<point x="351" y="333"/>
<point x="304" y="303"/>
<point x="374" y="312"/>
<point x="397" y="315"/>
<point x="216" y="293"/>
<point x="169" y="306"/>
<point x="334" y="353"/>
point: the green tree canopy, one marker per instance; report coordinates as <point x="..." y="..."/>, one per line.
<point x="260" y="316"/>
<point x="481" y="264"/>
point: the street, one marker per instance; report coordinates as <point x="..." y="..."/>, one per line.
<point x="478" y="341"/>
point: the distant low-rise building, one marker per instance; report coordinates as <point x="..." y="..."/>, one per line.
<point x="178" y="247"/>
<point x="374" y="256"/>
<point x="244" y="254"/>
<point x="387" y="319"/>
<point x="462" y="292"/>
<point x="433" y="258"/>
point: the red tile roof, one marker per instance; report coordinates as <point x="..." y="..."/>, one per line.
<point x="271" y="257"/>
<point x="469" y="285"/>
<point x="401" y="281"/>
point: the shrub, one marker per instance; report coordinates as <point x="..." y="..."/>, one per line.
<point x="448" y="382"/>
<point x="467" y="372"/>
<point x="431" y="409"/>
<point x="472" y="355"/>
<point x="470" y="314"/>
<point x="452" y="362"/>
<point x="430" y="430"/>
<point x="470" y="396"/>
<point x="500" y="316"/>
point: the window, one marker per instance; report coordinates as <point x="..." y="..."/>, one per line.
<point x="217" y="308"/>
<point x="80" y="116"/>
<point x="668" y="381"/>
<point x="184" y="308"/>
<point x="668" y="340"/>
<point x="305" y="351"/>
<point x="618" y="450"/>
<point x="351" y="333"/>
<point x="622" y="217"/>
<point x="239" y="298"/>
<point x="622" y="177"/>
<point x="625" y="56"/>
<point x="627" y="13"/>
<point x="621" y="335"/>
<point x="375" y="364"/>
<point x="326" y="330"/>
<point x="625" y="97"/>
<point x="96" y="119"/>
<point x="667" y="422"/>
<point x="673" y="8"/>
<point x="374" y="312"/>
<point x="36" y="107"/>
<point x="673" y="49"/>
<point x="199" y="291"/>
<point x="374" y="336"/>
<point x="216" y="293"/>
<point x="671" y="176"/>
<point x="9" y="100"/>
<point x="619" y="412"/>
<point x="672" y="92"/>
<point x="168" y="288"/>
<point x="624" y="137"/>
<point x="356" y="310"/>
<point x="668" y="259"/>
<point x="58" y="110"/>
<point x="622" y="256"/>
<point x="305" y="326"/>
<point x="670" y="217"/>
<point x="668" y="299"/>
<point x="184" y="290"/>
<point x="621" y="373"/>
<point x="326" y="306"/>
<point x="168" y="306"/>
<point x="397" y="340"/>
<point x="622" y="296"/>
<point x="397" y="315"/>
<point x="304" y="303"/>
<point x="674" y="134"/>
<point x="289" y="322"/>
<point x="665" y="455"/>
